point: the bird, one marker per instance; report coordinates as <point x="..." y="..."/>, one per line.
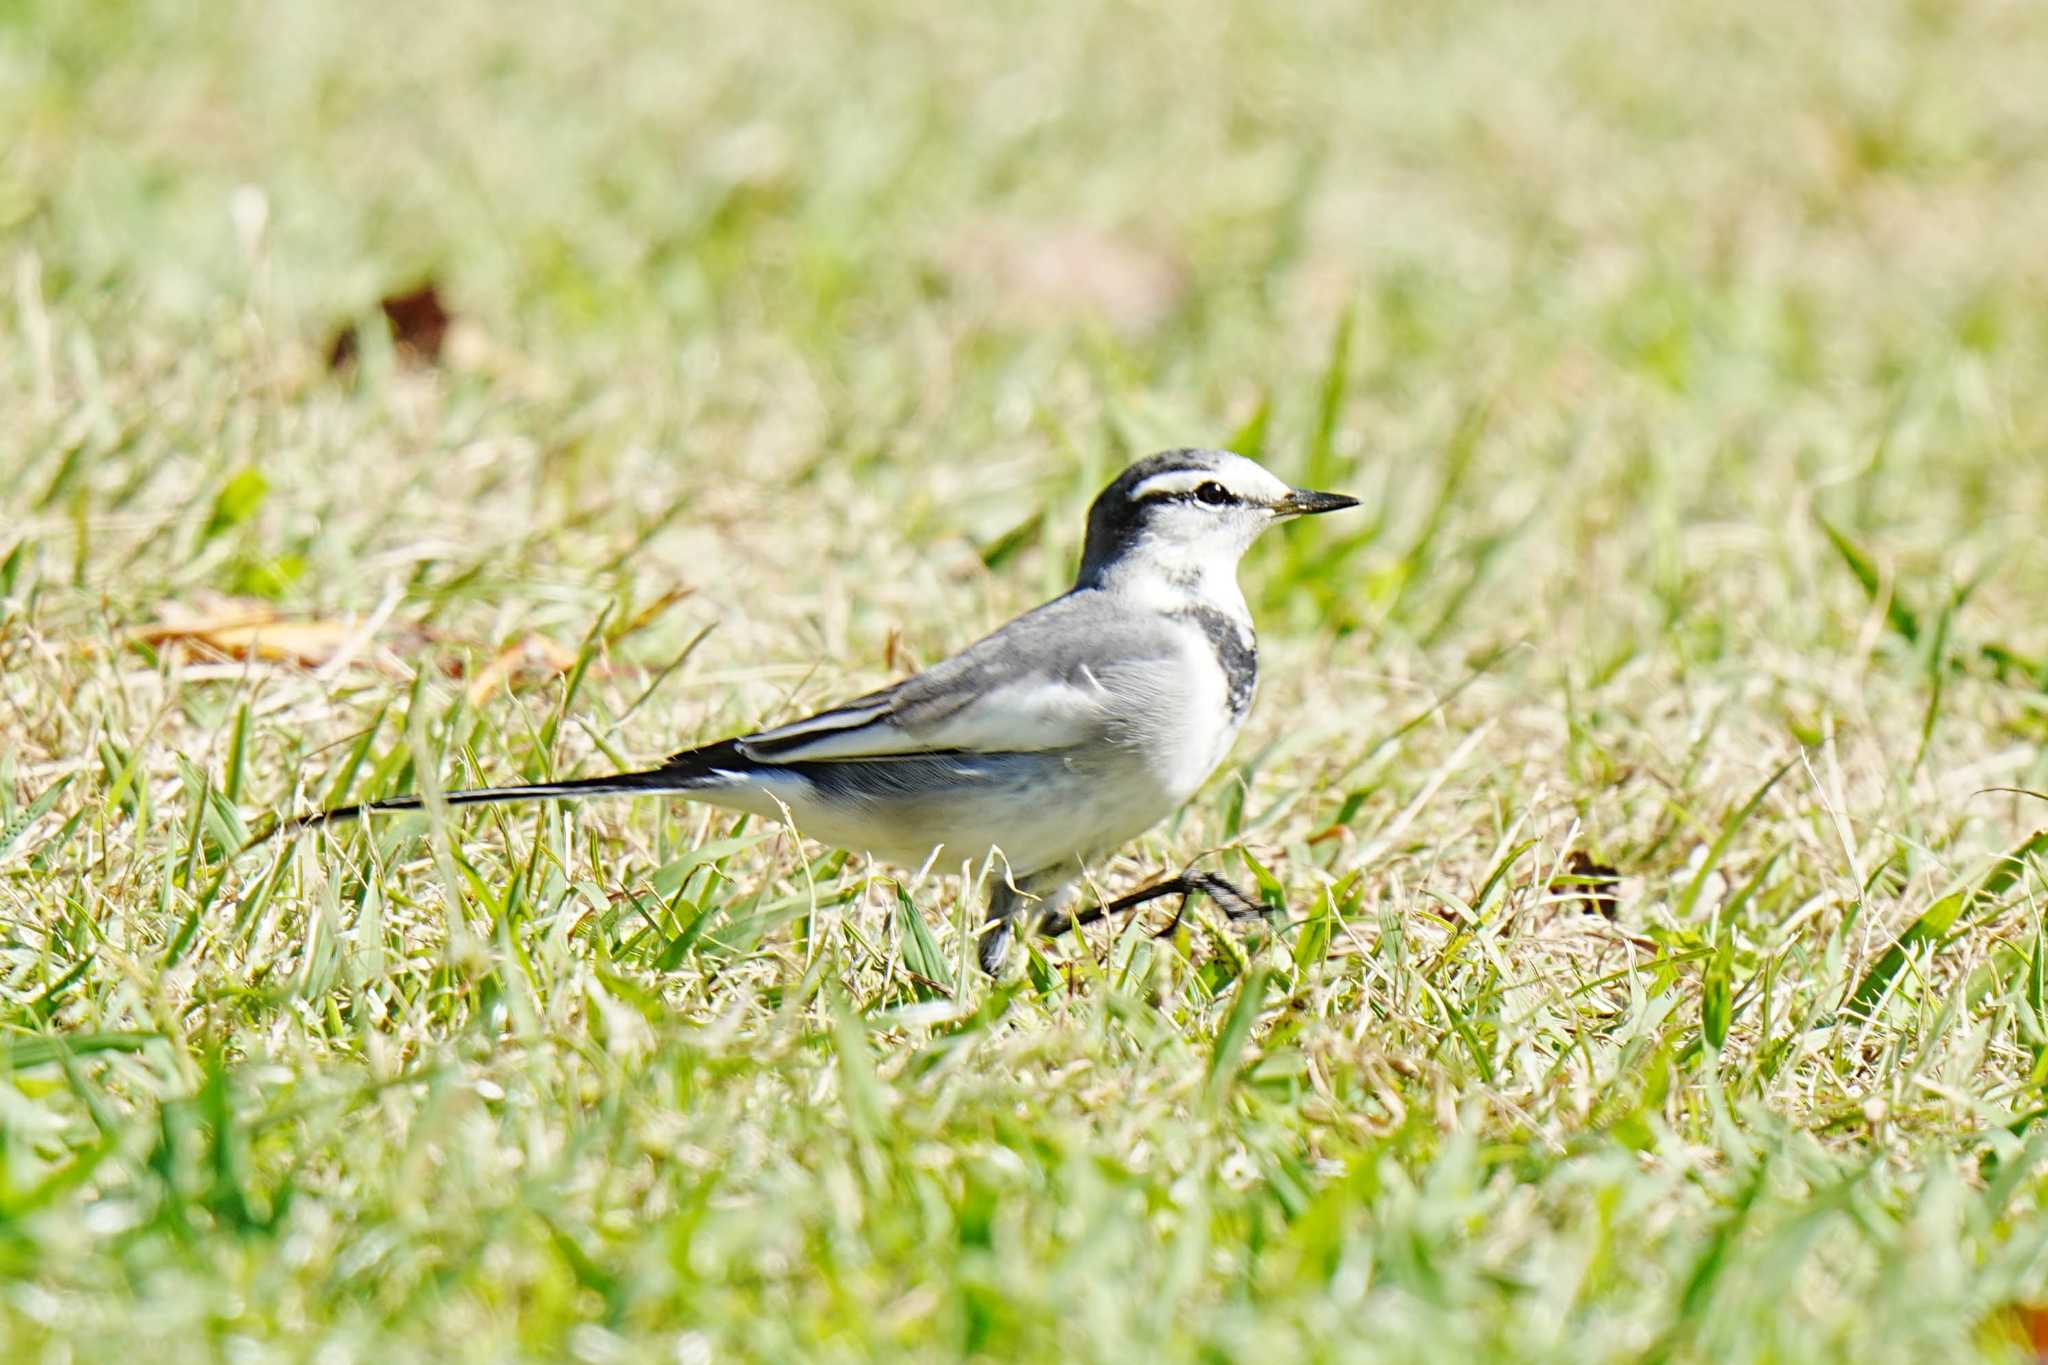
<point x="1050" y="742"/>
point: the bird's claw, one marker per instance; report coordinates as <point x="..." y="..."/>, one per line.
<point x="1233" y="902"/>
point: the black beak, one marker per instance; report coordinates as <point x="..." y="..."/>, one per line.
<point x="1306" y="502"/>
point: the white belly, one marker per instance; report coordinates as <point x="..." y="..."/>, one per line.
<point x="1171" y="724"/>
<point x="1038" y="813"/>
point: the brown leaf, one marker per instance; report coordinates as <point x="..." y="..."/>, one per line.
<point x="341" y="351"/>
<point x="239" y="629"/>
<point x="534" y="656"/>
<point x="2026" y="1326"/>
<point x="419" y="324"/>
<point x="1590" y="883"/>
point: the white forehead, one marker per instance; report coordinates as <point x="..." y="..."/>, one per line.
<point x="1249" y="481"/>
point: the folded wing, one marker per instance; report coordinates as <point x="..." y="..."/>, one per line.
<point x="1046" y="681"/>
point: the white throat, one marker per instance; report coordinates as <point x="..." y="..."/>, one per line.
<point x="1174" y="577"/>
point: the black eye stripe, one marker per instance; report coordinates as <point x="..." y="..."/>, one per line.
<point x="1228" y="498"/>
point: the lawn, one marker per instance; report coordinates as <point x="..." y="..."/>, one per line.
<point x="1651" y="773"/>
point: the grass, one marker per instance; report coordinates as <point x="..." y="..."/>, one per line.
<point x="1688" y="363"/>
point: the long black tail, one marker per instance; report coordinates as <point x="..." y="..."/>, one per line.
<point x="688" y="771"/>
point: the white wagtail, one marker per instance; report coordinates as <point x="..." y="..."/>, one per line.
<point x="1051" y="742"/>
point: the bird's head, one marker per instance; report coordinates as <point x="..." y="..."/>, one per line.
<point x="1188" y="516"/>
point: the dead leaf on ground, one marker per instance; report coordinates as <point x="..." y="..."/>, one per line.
<point x="236" y="628"/>
<point x="419" y="324"/>
<point x="1589" y="883"/>
<point x="2026" y="1326"/>
<point x="1040" y="272"/>
<point x="532" y="657"/>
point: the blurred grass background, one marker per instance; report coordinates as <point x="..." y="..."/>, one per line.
<point x="1688" y="360"/>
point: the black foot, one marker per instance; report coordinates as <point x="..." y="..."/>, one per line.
<point x="1233" y="902"/>
<point x="995" y="947"/>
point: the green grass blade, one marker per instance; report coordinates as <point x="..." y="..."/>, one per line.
<point x="1931" y="930"/>
<point x="1718" y="850"/>
<point x="1901" y="617"/>
<point x="1322" y="470"/>
<point x="34" y="811"/>
<point x="25" y="1050"/>
<point x="921" y="953"/>
<point x="1235" y="1034"/>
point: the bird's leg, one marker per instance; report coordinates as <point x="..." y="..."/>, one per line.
<point x="1016" y="909"/>
<point x="1233" y="902"/>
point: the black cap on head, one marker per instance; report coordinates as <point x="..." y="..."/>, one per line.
<point x="1116" y="516"/>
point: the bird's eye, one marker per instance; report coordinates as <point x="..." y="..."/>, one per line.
<point x="1213" y="493"/>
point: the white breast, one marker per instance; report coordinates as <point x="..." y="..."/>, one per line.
<point x="1178" y="724"/>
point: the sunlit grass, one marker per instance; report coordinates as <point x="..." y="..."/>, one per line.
<point x="1686" y="362"/>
